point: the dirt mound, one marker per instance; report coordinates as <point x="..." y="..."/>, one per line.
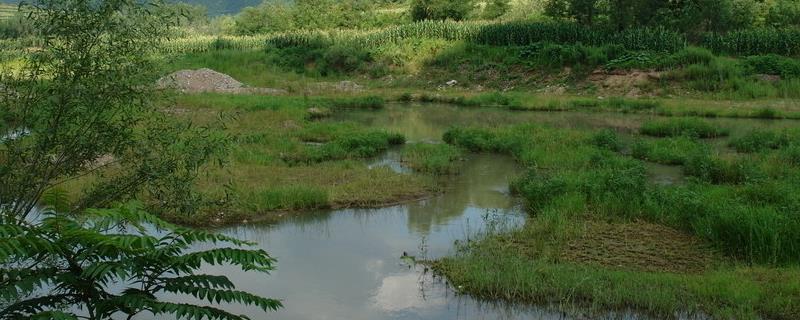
<point x="639" y="246"/>
<point x="207" y="80"/>
<point x="627" y="82"/>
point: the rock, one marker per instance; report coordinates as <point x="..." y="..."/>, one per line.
<point x="452" y="83"/>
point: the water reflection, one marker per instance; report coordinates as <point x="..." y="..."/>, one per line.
<point x="346" y="264"/>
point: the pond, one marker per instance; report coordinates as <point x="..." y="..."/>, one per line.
<point x="348" y="264"/>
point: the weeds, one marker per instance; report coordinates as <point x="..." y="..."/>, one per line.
<point x="691" y="127"/>
<point x="759" y="140"/>
<point x="438" y="159"/>
<point x="670" y="151"/>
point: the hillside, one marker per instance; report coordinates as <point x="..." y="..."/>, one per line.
<point x="220" y="7"/>
<point x="215" y="7"/>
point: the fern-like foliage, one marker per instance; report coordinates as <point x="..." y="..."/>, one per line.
<point x="76" y="260"/>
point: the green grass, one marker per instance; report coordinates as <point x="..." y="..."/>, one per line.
<point x="670" y="151"/>
<point x="286" y="198"/>
<point x="439" y="159"/>
<point x="493" y="272"/>
<point x="282" y="160"/>
<point x="691" y="127"/>
<point x="565" y="162"/>
<point x="760" y="140"/>
<point x="739" y="211"/>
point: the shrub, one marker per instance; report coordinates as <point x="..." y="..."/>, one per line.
<point x="440" y="9"/>
<point x="342" y="59"/>
<point x="691" y="127"/>
<point x="773" y="64"/>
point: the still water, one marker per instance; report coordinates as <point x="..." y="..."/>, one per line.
<point x="347" y="264"/>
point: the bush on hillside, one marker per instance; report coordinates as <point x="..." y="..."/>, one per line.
<point x="441" y="9"/>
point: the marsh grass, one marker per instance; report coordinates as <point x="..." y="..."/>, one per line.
<point x="760" y="140"/>
<point x="669" y="151"/>
<point x="691" y="127"/>
<point x="723" y="170"/>
<point x="286" y="198"/>
<point x="439" y="159"/>
<point x="283" y="161"/>
<point x="497" y="272"/>
<point x="614" y="186"/>
<point x="732" y="207"/>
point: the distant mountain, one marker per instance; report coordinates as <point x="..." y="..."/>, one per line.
<point x="215" y="7"/>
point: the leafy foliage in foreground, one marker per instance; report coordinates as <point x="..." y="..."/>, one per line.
<point x="115" y="261"/>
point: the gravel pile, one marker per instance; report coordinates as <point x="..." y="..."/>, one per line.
<point x="207" y="80"/>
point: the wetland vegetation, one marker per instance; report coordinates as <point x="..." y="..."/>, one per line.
<point x="439" y="159"/>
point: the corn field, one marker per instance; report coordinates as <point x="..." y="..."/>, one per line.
<point x="446" y="30"/>
<point x="522" y="33"/>
<point x="755" y="42"/>
<point x="746" y="42"/>
<point x="503" y="34"/>
<point x="198" y="44"/>
<point x="7" y="11"/>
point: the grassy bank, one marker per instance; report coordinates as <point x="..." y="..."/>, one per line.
<point x="724" y="243"/>
<point x="285" y="158"/>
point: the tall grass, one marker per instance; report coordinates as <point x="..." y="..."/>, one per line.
<point x="723" y="202"/>
<point x="676" y="127"/>
<point x="439" y="159"/>
<point x="759" y="140"/>
<point x="286" y="198"/>
<point x="670" y="151"/>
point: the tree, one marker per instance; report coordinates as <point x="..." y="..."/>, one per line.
<point x="582" y="11"/>
<point x="105" y="263"/>
<point x="495" y="9"/>
<point x="85" y="105"/>
<point x="89" y="108"/>
<point x="441" y="9"/>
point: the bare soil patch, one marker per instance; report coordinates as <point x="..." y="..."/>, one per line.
<point x="627" y="82"/>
